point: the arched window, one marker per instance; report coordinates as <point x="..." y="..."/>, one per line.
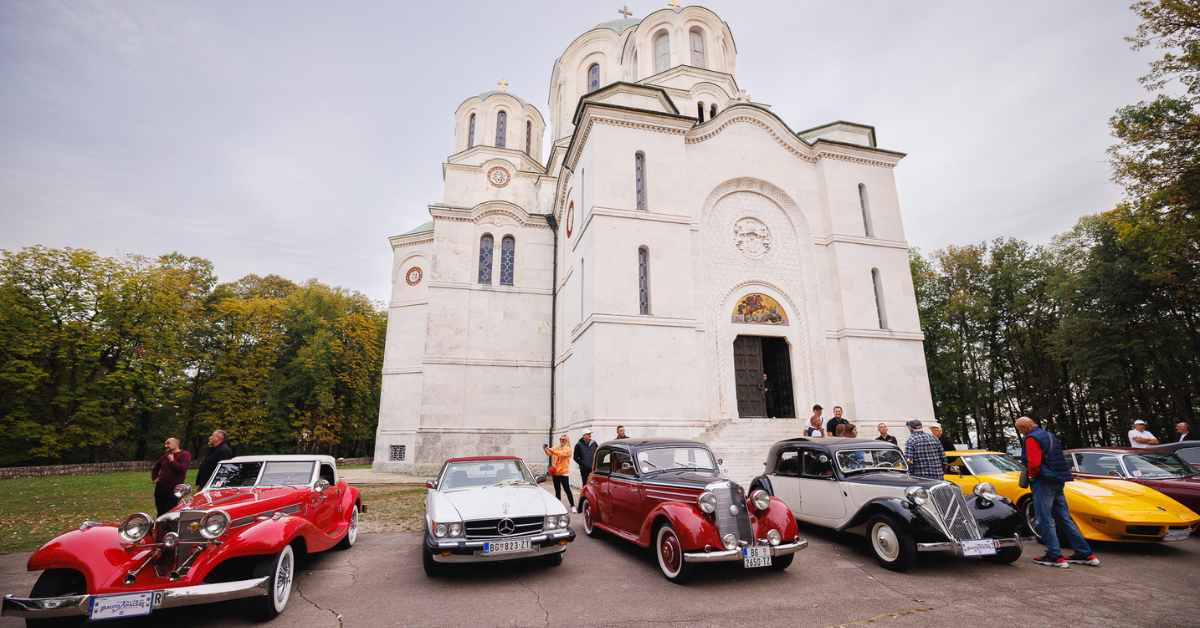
<point x="712" y="112"/>
<point x="508" y="260"/>
<point x="528" y="136"/>
<point x="643" y="280"/>
<point x="700" y="111"/>
<point x="593" y="77"/>
<point x="662" y="52"/>
<point x="471" y="133"/>
<point x="879" y="298"/>
<point x="862" y="202"/>
<point x="501" y="128"/>
<point x="639" y="167"/>
<point x="697" y="45"/>
<point x="486" y="244"/>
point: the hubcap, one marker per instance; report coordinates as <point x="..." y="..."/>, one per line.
<point x="283" y="578"/>
<point x="669" y="552"/>
<point x="886" y="544"/>
<point x="1031" y="519"/>
<point x="353" y="532"/>
<point x="587" y="516"/>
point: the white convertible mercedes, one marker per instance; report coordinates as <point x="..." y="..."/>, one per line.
<point x="490" y="508"/>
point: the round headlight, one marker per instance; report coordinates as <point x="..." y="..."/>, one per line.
<point x="135" y="527"/>
<point x="917" y="495"/>
<point x="730" y="541"/>
<point x="564" y="521"/>
<point x="456" y="529"/>
<point x="773" y="537"/>
<point x="707" y="502"/>
<point x="760" y="499"/>
<point x="985" y="490"/>
<point x="214" y="524"/>
<point x="170" y="539"/>
<point x="551" y="522"/>
<point x="439" y="530"/>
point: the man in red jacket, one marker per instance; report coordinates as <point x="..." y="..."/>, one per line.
<point x="170" y="470"/>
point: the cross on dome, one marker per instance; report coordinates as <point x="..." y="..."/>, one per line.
<point x="625" y="11"/>
<point x="502" y="85"/>
<point x="673" y="3"/>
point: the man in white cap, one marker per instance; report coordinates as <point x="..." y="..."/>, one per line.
<point x="585" y="455"/>
<point x="1139" y="438"/>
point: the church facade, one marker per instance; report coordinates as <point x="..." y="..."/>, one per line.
<point x="682" y="263"/>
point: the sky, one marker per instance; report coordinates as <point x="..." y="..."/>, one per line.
<point x="294" y="137"/>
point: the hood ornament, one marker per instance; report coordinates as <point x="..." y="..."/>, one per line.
<point x="505" y="507"/>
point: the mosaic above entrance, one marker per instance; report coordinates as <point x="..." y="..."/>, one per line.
<point x="759" y="309"/>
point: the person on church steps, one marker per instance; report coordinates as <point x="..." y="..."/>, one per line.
<point x="218" y="452"/>
<point x="585" y="453"/>
<point x="171" y="469"/>
<point x="926" y="457"/>
<point x="883" y="435"/>
<point x="832" y="425"/>
<point x="1048" y="474"/>
<point x="768" y="391"/>
<point x="560" y="466"/>
<point x="621" y="432"/>
<point x="814" y="427"/>
<point x="943" y="438"/>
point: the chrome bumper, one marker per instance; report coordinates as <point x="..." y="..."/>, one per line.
<point x="783" y="549"/>
<point x="462" y="547"/>
<point x="956" y="547"/>
<point x="182" y="596"/>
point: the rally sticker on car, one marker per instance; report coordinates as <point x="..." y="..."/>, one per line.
<point x="756" y="557"/>
<point x="123" y="605"/>
<point x="979" y="547"/>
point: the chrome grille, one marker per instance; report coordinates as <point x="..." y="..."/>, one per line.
<point x="490" y="528"/>
<point x="956" y="518"/>
<point x="165" y="563"/>
<point x="730" y="494"/>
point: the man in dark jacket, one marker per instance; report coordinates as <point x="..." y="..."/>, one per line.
<point x="1048" y="472"/>
<point x="943" y="437"/>
<point x="218" y="452"/>
<point x="585" y="455"/>
<point x="1185" y="432"/>
<point x="170" y="470"/>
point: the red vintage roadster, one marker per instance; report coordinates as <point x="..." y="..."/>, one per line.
<point x="669" y="494"/>
<point x="237" y="538"/>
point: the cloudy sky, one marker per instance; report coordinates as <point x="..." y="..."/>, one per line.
<point x="293" y="137"/>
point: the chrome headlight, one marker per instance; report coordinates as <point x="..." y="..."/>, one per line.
<point x="564" y="521"/>
<point x="917" y="495"/>
<point x="182" y="490"/>
<point x="730" y="541"/>
<point x="986" y="491"/>
<point x="551" y="522"/>
<point x="707" y="502"/>
<point x="135" y="527"/>
<point x="439" y="530"/>
<point x="214" y="524"/>
<point x="773" y="537"/>
<point x="170" y="539"/>
<point x="456" y="529"/>
<point x="760" y="499"/>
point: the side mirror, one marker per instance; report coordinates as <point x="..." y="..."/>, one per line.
<point x="824" y="458"/>
<point x="431" y="485"/>
<point x="541" y="479"/>
<point x="182" y="490"/>
<point x="321" y="486"/>
<point x="625" y="466"/>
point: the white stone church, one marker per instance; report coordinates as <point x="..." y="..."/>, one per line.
<point x="677" y="243"/>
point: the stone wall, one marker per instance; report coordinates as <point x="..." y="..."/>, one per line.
<point x="10" y="473"/>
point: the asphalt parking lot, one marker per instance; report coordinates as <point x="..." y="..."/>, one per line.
<point x="607" y="582"/>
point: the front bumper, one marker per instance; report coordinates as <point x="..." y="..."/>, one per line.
<point x="783" y="549"/>
<point x="956" y="547"/>
<point x="464" y="551"/>
<point x="181" y="596"/>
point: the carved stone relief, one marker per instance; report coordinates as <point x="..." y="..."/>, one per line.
<point x="752" y="237"/>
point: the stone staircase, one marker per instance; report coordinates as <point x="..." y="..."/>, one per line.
<point x="743" y="443"/>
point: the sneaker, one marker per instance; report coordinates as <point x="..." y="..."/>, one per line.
<point x="1059" y="562"/>
<point x="1090" y="559"/>
<point x="575" y="512"/>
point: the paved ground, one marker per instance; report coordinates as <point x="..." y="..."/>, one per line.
<point x="607" y="582"/>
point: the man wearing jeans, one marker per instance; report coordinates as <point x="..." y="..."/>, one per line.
<point x="1048" y="473"/>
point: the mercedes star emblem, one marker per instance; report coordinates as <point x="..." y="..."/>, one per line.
<point x="506" y="527"/>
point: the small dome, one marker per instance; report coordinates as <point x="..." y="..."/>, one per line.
<point x="620" y="26"/>
<point x="485" y="95"/>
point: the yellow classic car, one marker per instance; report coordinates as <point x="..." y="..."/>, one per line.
<point x="1104" y="510"/>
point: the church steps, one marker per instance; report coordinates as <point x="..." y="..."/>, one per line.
<point x="742" y="444"/>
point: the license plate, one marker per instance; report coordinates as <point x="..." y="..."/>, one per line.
<point x="756" y="557"/>
<point x="123" y="605"/>
<point x="504" y="547"/>
<point x="1176" y="535"/>
<point x="979" y="547"/>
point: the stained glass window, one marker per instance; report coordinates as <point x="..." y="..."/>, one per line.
<point x="594" y="77"/>
<point x="697" y="41"/>
<point x="485" y="259"/>
<point x="471" y="133"/>
<point x="639" y="163"/>
<point x="662" y="52"/>
<point x="643" y="280"/>
<point x="528" y="136"/>
<point x="862" y="202"/>
<point x="508" y="255"/>
<point x="501" y="128"/>
<point x="879" y="298"/>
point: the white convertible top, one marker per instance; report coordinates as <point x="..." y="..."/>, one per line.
<point x="286" y="458"/>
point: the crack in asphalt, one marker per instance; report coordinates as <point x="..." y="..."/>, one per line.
<point x="336" y="616"/>
<point x="539" y="600"/>
<point x="863" y="622"/>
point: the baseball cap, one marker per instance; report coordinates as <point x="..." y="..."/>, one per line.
<point x="588" y="431"/>
<point x="1139" y="422"/>
<point x="915" y="424"/>
<point x="818" y="407"/>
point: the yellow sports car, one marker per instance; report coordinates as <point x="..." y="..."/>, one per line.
<point x="1104" y="510"/>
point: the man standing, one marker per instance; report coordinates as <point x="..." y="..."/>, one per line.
<point x="621" y="432"/>
<point x="925" y="455"/>
<point x="943" y="438"/>
<point x="1185" y="432"/>
<point x="1139" y="438"/>
<point x="768" y="391"/>
<point x="217" y="452"/>
<point x="585" y="453"/>
<point x="883" y="435"/>
<point x="832" y="425"/>
<point x="170" y="470"/>
<point x="1048" y="473"/>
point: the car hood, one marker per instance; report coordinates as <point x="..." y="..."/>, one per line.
<point x="494" y="502"/>
<point x="241" y="502"/>
<point x="685" y="479"/>
<point x="891" y="480"/>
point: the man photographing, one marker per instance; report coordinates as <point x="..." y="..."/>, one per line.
<point x="170" y="470"/>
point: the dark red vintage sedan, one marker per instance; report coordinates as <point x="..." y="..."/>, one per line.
<point x="669" y="494"/>
<point x="1162" y="471"/>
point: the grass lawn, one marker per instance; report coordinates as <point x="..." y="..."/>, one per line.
<point x="35" y="510"/>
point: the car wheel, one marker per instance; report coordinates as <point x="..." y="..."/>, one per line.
<point x="1005" y="556"/>
<point x="57" y="583"/>
<point x="554" y="559"/>
<point x="281" y="568"/>
<point x="779" y="563"/>
<point x="588" y="514"/>
<point x="351" y="532"/>
<point x="432" y="567"/>
<point x="894" y="546"/>
<point x="1030" y="518"/>
<point x="670" y="555"/>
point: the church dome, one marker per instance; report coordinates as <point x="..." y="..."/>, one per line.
<point x="499" y="119"/>
<point x="619" y="26"/>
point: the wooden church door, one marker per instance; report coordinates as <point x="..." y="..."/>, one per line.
<point x="748" y="375"/>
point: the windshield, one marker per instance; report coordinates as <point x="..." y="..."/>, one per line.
<point x="852" y="461"/>
<point x="484" y="473"/>
<point x="1164" y="465"/>
<point x="675" y="458"/>
<point x="287" y="474"/>
<point x="993" y="464"/>
<point x="236" y="475"/>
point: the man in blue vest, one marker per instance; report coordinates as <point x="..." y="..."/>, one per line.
<point x="1048" y="472"/>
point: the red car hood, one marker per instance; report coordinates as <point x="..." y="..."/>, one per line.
<point x="240" y="502"/>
